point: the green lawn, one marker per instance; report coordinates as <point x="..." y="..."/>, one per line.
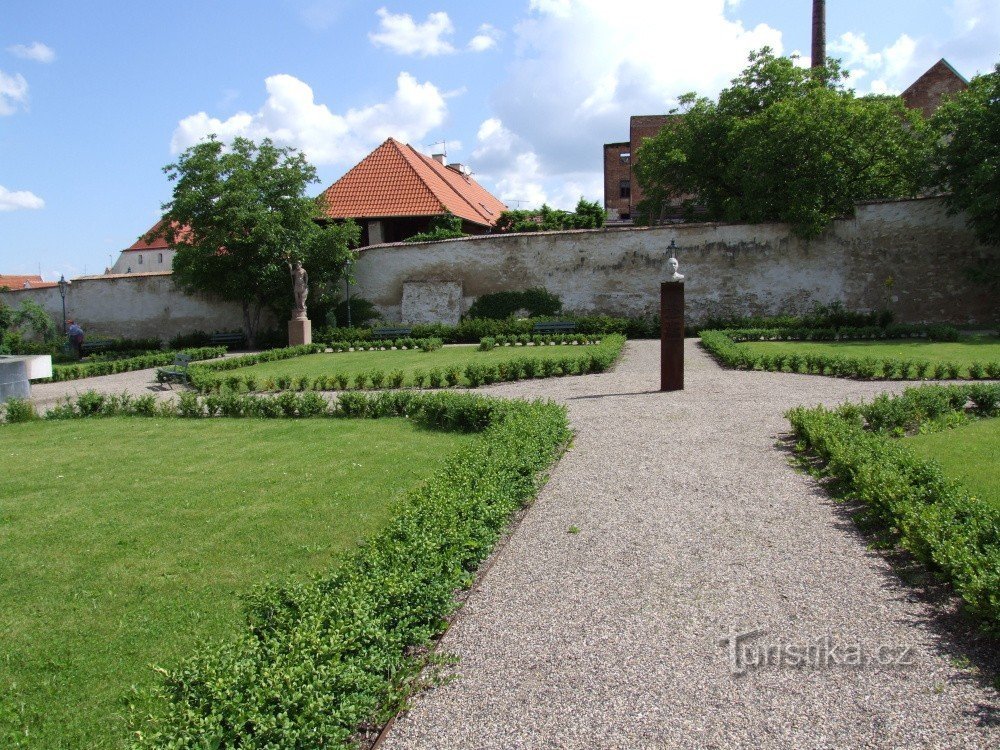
<point x="969" y="454"/>
<point x="123" y="542"/>
<point x="352" y="363"/>
<point x="980" y="349"/>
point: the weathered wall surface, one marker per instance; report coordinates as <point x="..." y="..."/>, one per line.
<point x="909" y="255"/>
<point x="134" y="305"/>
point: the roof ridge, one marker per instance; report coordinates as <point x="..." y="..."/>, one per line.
<point x="401" y="148"/>
<point x="434" y="166"/>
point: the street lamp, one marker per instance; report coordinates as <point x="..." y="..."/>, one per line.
<point x="347" y="284"/>
<point x="62" y="293"/>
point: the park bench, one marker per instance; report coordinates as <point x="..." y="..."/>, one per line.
<point x="177" y="371"/>
<point x="234" y="338"/>
<point x="96" y="345"/>
<point x="391" y="333"/>
<point x="556" y="326"/>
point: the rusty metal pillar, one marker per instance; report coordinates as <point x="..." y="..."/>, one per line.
<point x="672" y="336"/>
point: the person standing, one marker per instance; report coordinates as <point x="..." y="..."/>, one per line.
<point x="75" y="333"/>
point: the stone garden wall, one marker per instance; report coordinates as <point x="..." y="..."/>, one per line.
<point x="133" y="305"/>
<point x="909" y="255"/>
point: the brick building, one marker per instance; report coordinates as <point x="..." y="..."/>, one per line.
<point x="940" y="81"/>
<point x="622" y="193"/>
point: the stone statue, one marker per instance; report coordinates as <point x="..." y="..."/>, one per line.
<point x="672" y="266"/>
<point x="300" y="284"/>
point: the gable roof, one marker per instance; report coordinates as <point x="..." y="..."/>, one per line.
<point x="397" y="180"/>
<point x="938" y="81"/>
<point x="25" y="281"/>
<point x="159" y="241"/>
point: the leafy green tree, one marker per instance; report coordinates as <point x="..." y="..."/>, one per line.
<point x="239" y="214"/>
<point x="588" y="215"/>
<point x="446" y="227"/>
<point x="967" y="160"/>
<point x="787" y="144"/>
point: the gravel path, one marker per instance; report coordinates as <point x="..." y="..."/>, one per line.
<point x="692" y="525"/>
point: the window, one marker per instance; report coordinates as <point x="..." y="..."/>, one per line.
<point x="161" y="259"/>
<point x="140" y="260"/>
<point x="625" y="189"/>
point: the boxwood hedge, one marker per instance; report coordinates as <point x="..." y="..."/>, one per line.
<point x="953" y="532"/>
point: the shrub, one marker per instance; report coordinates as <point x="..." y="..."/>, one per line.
<point x="487" y="344"/>
<point x="453" y="375"/>
<point x="17" y="410"/>
<point x="378" y="379"/>
<point x="500" y="305"/>
<point x="929" y="515"/>
<point x="318" y="660"/>
<point x="396" y="378"/>
<point x="435" y="377"/>
<point x="419" y="378"/>
<point x="977" y="371"/>
<point x="361" y="381"/>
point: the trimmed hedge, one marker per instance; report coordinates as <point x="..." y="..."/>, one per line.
<point x="538" y="302"/>
<point x="580" y="360"/>
<point x="725" y="346"/>
<point x="473" y="330"/>
<point x="490" y="342"/>
<point x="143" y="362"/>
<point x="934" y="518"/>
<point x="317" y="663"/>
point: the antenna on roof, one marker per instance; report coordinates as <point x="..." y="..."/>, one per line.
<point x="442" y="144"/>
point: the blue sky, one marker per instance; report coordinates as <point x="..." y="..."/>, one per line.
<point x="96" y="97"/>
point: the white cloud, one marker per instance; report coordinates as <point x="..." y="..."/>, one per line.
<point x="13" y="93"/>
<point x="891" y="65"/>
<point x="582" y="67"/>
<point x="13" y="200"/>
<point x="486" y="38"/>
<point x="35" y="51"/>
<point x="404" y="36"/>
<point x="292" y="116"/>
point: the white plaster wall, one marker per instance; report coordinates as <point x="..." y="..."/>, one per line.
<point x="431" y="302"/>
<point x="134" y="306"/>
<point x="144" y="261"/>
<point x="730" y="268"/>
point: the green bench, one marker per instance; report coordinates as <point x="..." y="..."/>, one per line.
<point x="557" y="326"/>
<point x="177" y="371"/>
<point x="391" y="333"/>
<point x="234" y="338"/>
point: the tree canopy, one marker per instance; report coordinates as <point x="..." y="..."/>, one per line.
<point x="786" y="144"/>
<point x="239" y="214"/>
<point x="967" y="159"/>
<point x="588" y="215"/>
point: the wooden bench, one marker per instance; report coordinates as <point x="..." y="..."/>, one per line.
<point x="557" y="326"/>
<point x="177" y="371"/>
<point x="234" y="338"/>
<point x="391" y="333"/>
<point x="96" y="345"/>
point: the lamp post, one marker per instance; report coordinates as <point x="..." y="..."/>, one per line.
<point x="62" y="293"/>
<point x="347" y="284"/>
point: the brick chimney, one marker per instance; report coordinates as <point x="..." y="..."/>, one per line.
<point x="819" y="33"/>
<point x="439" y="158"/>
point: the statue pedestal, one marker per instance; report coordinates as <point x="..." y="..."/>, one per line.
<point x="299" y="331"/>
<point x="672" y="336"/>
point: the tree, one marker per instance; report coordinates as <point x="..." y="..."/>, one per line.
<point x="967" y="160"/>
<point x="784" y="144"/>
<point x="238" y="215"/>
<point x="588" y="215"/>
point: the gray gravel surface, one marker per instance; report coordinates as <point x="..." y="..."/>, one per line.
<point x="693" y="524"/>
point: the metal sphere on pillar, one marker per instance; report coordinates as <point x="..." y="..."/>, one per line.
<point x="672" y="325"/>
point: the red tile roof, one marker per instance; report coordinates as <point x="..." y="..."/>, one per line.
<point x="31" y="281"/>
<point x="159" y="242"/>
<point x="397" y="180"/>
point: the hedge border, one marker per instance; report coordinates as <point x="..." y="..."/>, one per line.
<point x="926" y="513"/>
<point x="61" y="373"/>
<point x="726" y="347"/>
<point x="321" y="662"/>
<point x="579" y="360"/>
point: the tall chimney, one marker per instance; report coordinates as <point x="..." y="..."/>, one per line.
<point x="819" y="33"/>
